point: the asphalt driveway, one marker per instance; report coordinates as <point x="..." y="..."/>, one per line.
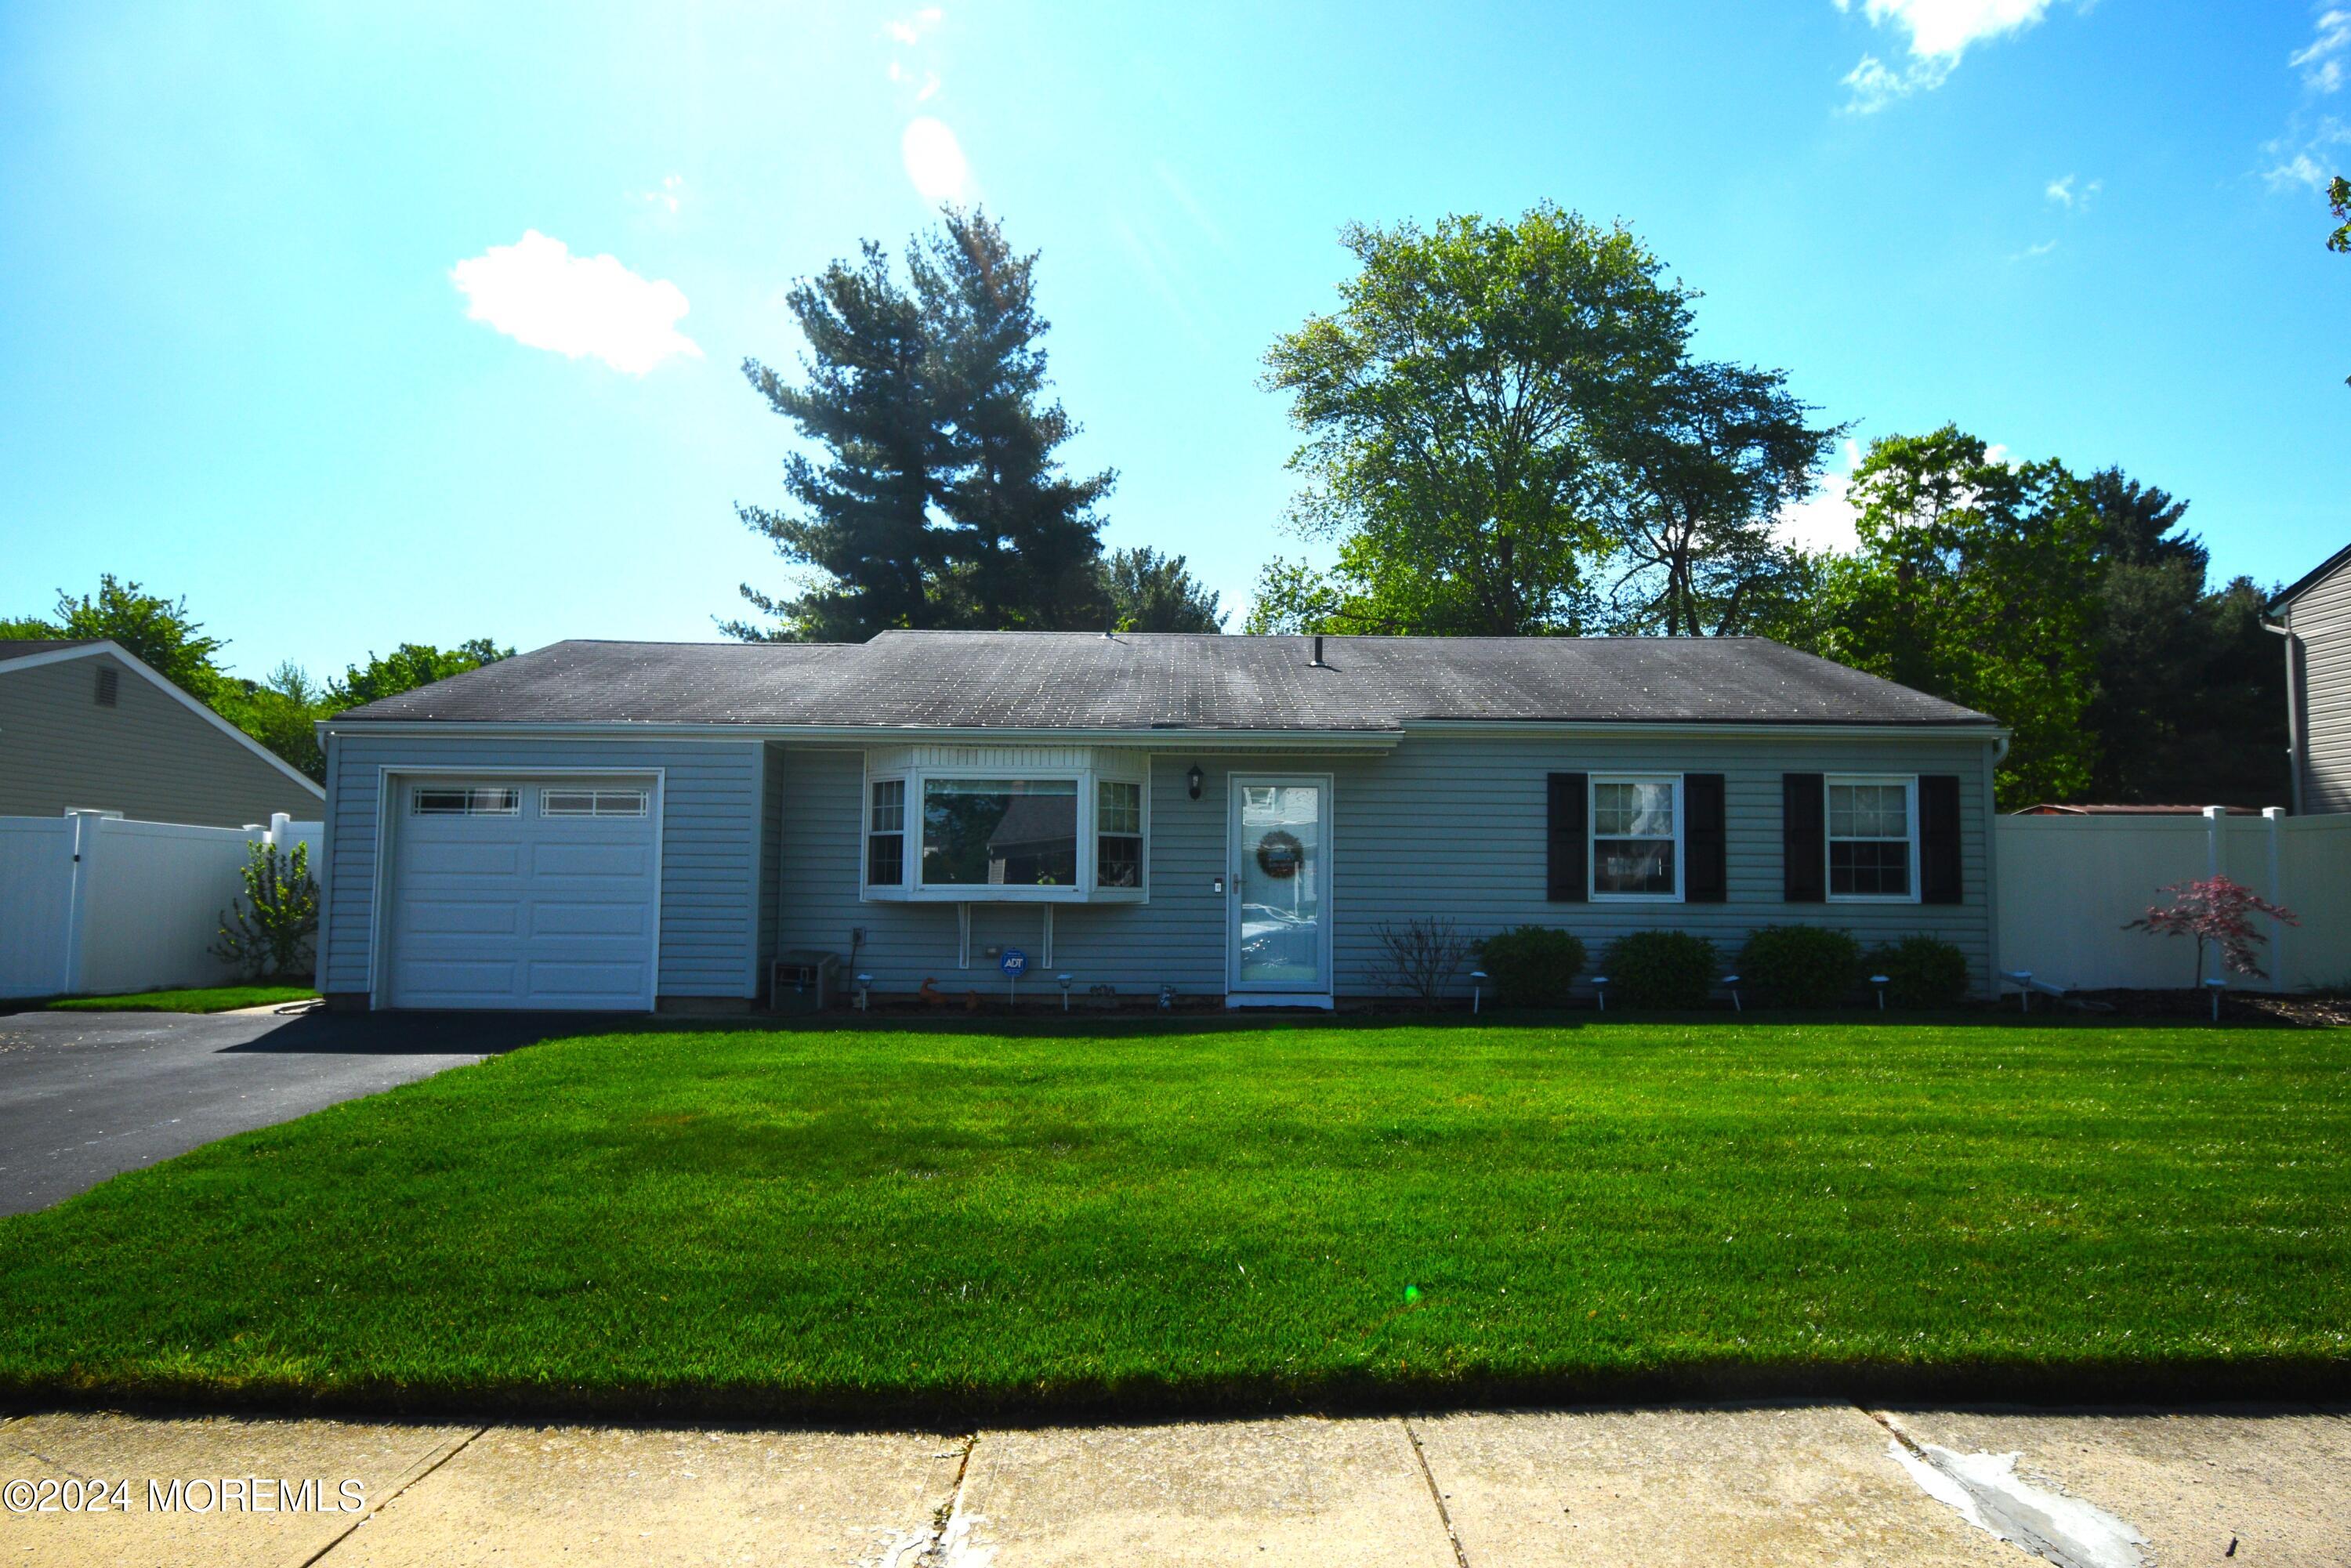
<point x="84" y="1096"/>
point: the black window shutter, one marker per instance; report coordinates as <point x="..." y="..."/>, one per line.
<point x="1569" y="878"/>
<point x="1938" y="838"/>
<point x="1805" y="837"/>
<point x="1705" y="878"/>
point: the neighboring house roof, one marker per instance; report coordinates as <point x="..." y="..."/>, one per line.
<point x="2312" y="578"/>
<point x="2055" y="808"/>
<point x="33" y="652"/>
<point x="1087" y="682"/>
<point x="25" y="647"/>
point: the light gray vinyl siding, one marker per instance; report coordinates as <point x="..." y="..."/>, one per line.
<point x="771" y="854"/>
<point x="710" y="857"/>
<point x="148" y="756"/>
<point x="1446" y="826"/>
<point x="2320" y="618"/>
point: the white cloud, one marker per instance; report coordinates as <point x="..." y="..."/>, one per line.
<point x="540" y="295"/>
<point x="2065" y="193"/>
<point x="2321" y="64"/>
<point x="934" y="161"/>
<point x="1940" y="31"/>
<point x="2299" y="169"/>
<point x="912" y="29"/>
<point x="1823" y="520"/>
<point x="2031" y="251"/>
<point x="671" y="195"/>
<point x="2301" y="156"/>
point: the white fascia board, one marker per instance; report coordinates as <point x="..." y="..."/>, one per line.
<point x="896" y="735"/>
<point x="163" y="684"/>
<point x="1715" y="728"/>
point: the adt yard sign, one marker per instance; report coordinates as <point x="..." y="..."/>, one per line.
<point x="1015" y="963"/>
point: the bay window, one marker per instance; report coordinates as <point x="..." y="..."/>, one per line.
<point x="1636" y="837"/>
<point x="1872" y="839"/>
<point x="999" y="832"/>
<point x="985" y="825"/>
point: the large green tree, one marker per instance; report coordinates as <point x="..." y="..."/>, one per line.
<point x="409" y="667"/>
<point x="157" y="631"/>
<point x="1147" y="592"/>
<point x="1703" y="461"/>
<point x="2188" y="706"/>
<point x="939" y="498"/>
<point x="1022" y="546"/>
<point x="1455" y="409"/>
<point x="1976" y="579"/>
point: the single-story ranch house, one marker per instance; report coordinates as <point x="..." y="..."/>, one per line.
<point x="640" y="825"/>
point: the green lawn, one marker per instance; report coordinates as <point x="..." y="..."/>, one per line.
<point x="879" y="1224"/>
<point x="204" y="1000"/>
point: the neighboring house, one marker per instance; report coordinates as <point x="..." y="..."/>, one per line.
<point x="84" y="723"/>
<point x="627" y="825"/>
<point x="2314" y="616"/>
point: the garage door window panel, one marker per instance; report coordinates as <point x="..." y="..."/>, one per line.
<point x="473" y="801"/>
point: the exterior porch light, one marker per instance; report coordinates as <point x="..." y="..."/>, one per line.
<point x="1194" y="780"/>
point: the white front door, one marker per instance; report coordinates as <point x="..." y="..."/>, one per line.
<point x="1279" y="897"/>
<point x="523" y="893"/>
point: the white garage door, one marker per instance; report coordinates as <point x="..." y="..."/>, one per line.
<point x="519" y="892"/>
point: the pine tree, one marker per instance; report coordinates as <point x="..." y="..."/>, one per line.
<point x="940" y="501"/>
<point x="1025" y="539"/>
<point x="864" y="519"/>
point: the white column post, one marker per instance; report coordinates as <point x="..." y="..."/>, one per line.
<point x="2274" y="819"/>
<point x="2214" y="816"/>
<point x="84" y="843"/>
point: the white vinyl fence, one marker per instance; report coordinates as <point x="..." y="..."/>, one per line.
<point x="93" y="904"/>
<point x="2068" y="886"/>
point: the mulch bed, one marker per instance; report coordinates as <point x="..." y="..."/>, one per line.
<point x="2314" y="1010"/>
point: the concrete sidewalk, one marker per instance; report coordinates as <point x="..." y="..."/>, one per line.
<point x="1814" y="1484"/>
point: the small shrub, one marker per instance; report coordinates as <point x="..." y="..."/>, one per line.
<point x="1661" y="970"/>
<point x="1921" y="972"/>
<point x="2218" y="911"/>
<point x="1532" y="965"/>
<point x="1801" y="966"/>
<point x="1420" y="956"/>
<point x="268" y="931"/>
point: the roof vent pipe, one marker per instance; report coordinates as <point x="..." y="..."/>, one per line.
<point x="1318" y="651"/>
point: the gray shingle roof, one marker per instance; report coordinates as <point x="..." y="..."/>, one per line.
<point x="1083" y="680"/>
<point x="25" y="647"/>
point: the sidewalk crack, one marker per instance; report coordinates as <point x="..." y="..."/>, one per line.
<point x="949" y="1530"/>
<point x="1444" y="1514"/>
<point x="448" y="1450"/>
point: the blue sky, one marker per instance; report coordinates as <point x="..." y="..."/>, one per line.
<point x="309" y="313"/>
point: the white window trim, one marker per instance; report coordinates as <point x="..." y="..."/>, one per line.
<point x="911" y="888"/>
<point x="1910" y="782"/>
<point x="1591" y="837"/>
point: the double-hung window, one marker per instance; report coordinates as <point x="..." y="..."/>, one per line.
<point x="1872" y="839"/>
<point x="1637" y="827"/>
<point x="885" y="832"/>
<point x="1118" y="834"/>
